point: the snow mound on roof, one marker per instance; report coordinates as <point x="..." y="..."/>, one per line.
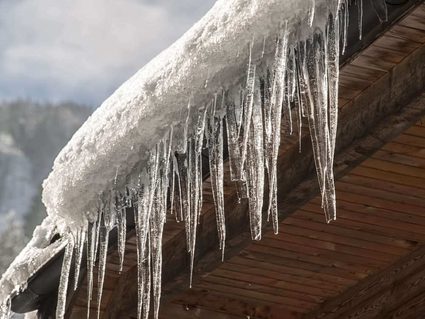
<point x="210" y="56"/>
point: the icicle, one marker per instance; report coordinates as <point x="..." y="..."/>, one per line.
<point x="64" y="279"/>
<point x="146" y="194"/>
<point x="255" y="169"/>
<point x="311" y="12"/>
<point x="215" y="141"/>
<point x="233" y="142"/>
<point x="317" y="85"/>
<point x="360" y="17"/>
<point x="184" y="181"/>
<point x="79" y="248"/>
<point x="105" y="228"/>
<point x="156" y="231"/>
<point x="248" y="105"/>
<point x="344" y="20"/>
<point x="333" y="77"/>
<point x="380" y="7"/>
<point x="121" y="229"/>
<point x="276" y="102"/>
<point x="195" y="173"/>
<point x="92" y="235"/>
<point x="179" y="212"/>
<point x="264" y="47"/>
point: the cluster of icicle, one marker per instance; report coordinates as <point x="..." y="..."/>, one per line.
<point x="301" y="82"/>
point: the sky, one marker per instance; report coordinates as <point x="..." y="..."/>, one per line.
<point x="82" y="50"/>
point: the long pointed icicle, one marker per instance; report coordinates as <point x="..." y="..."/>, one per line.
<point x="215" y="143"/>
<point x="233" y="142"/>
<point x="146" y="193"/>
<point x="195" y="172"/>
<point x="103" y="253"/>
<point x="255" y="169"/>
<point x="92" y="235"/>
<point x="121" y="228"/>
<point x="157" y="221"/>
<point x="64" y="279"/>
<point x="276" y="102"/>
<point x="247" y="109"/>
<point x="360" y="18"/>
<point x="79" y="248"/>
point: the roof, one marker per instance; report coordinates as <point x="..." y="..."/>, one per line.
<point x="384" y="65"/>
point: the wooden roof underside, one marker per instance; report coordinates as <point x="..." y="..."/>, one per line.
<point x="369" y="263"/>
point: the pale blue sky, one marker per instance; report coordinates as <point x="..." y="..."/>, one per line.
<point x="82" y="50"/>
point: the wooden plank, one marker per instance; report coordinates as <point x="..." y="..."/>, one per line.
<point x="395" y="43"/>
<point x="278" y="279"/>
<point x="390" y="177"/>
<point x="405" y="199"/>
<point x="279" y="292"/>
<point x="414" y="35"/>
<point x="416" y="130"/>
<point x="329" y="245"/>
<point x="405" y="149"/>
<point x="386" y="54"/>
<point x="384" y="203"/>
<point x="177" y="311"/>
<point x="411" y="140"/>
<point x="371" y="182"/>
<point x="394" y="167"/>
<point x="392" y="232"/>
<point x="340" y="275"/>
<point x="353" y="238"/>
<point x="312" y="276"/>
<point x="400" y="158"/>
<point x="234" y="304"/>
<point x="309" y="249"/>
<point x="358" y="270"/>
<point x="362" y="72"/>
<point x="372" y="63"/>
<point x="256" y="296"/>
<point x="388" y="290"/>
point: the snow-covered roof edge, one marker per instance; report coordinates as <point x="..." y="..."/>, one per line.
<point x="134" y="146"/>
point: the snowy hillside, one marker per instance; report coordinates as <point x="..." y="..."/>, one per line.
<point x="31" y="135"/>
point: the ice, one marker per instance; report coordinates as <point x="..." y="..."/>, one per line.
<point x="380" y="7"/>
<point x="277" y="92"/>
<point x="121" y="227"/>
<point x="105" y="228"/>
<point x="360" y="17"/>
<point x="78" y="253"/>
<point x="241" y="70"/>
<point x="92" y="235"/>
<point x="215" y="147"/>
<point x="64" y="278"/>
<point x="255" y="168"/>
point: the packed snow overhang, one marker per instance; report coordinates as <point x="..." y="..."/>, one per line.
<point x="133" y="119"/>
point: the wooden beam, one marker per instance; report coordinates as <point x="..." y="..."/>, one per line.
<point x="397" y="292"/>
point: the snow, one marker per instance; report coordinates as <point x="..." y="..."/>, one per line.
<point x="127" y="125"/>
<point x="248" y="64"/>
<point x="36" y="254"/>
